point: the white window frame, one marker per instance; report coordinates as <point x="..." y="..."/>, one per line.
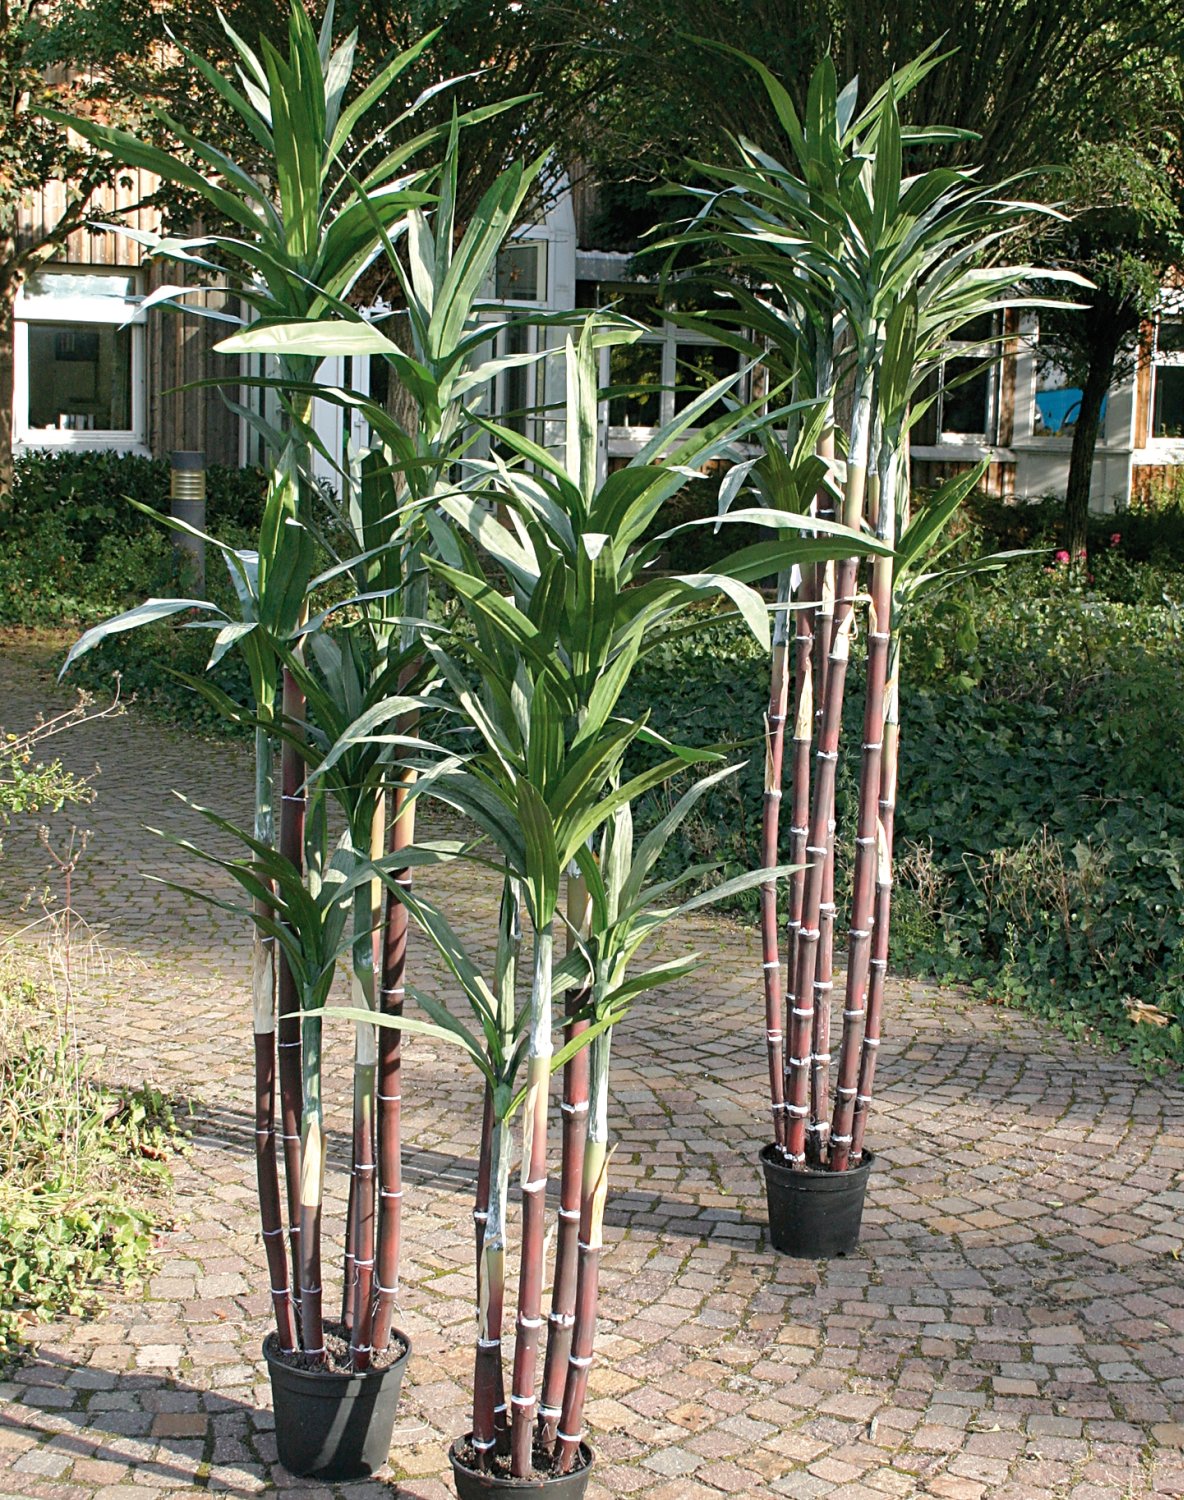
<point x="498" y="312"/>
<point x="97" y="309"/>
<point x="1171" y="360"/>
<point x="624" y="440"/>
<point x="952" y="437"/>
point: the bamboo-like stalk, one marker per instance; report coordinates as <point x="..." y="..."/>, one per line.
<point x="879" y="959"/>
<point x="348" y="1275"/>
<point x="293" y="807"/>
<point x="523" y="1400"/>
<point x="818" y="1127"/>
<point x="815" y="621"/>
<point x="484" y="1176"/>
<point x="593" y="1192"/>
<point x="803" y="739"/>
<point x="312" y="1191"/>
<point x="390" y="1073"/>
<point x="863" y="894"/>
<point x="575" y="1106"/>
<point x="801" y="1034"/>
<point x="365" y="1167"/>
<point x="488" y="1389"/>
<point x="575" y="1134"/>
<point x="493" y="1185"/>
<point x="561" y="1320"/>
<point x="264" y="1027"/>
<point x="775" y="716"/>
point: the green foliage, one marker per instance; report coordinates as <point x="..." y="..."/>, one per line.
<point x="82" y="1168"/>
<point x="72" y="547"/>
<point x="1040" y="846"/>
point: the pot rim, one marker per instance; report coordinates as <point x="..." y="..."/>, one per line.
<point x="769" y="1157"/>
<point x="504" y="1482"/>
<point x="327" y="1380"/>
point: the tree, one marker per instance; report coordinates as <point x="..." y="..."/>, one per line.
<point x="1091" y="93"/>
<point x="1126" y="238"/>
<point x="1026" y="76"/>
<point x="553" y="58"/>
<point x="47" y="56"/>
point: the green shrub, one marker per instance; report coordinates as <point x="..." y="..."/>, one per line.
<point x="82" y="1168"/>
<point x="1041" y="806"/>
<point x="73" y="551"/>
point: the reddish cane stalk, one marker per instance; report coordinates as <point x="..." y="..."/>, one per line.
<point x="560" y="1323"/>
<point x="312" y="1325"/>
<point x="291" y="847"/>
<point x="823" y="989"/>
<point x="879" y="958"/>
<point x="770" y="828"/>
<point x="390" y="1063"/>
<point x="349" y="1277"/>
<point x="801" y="1037"/>
<point x="803" y="739"/>
<point x="593" y="1192"/>
<point x="367" y="914"/>
<point x="534" y="1204"/>
<point x="824" y="980"/>
<point x="864" y="880"/>
<point x="266" y="1167"/>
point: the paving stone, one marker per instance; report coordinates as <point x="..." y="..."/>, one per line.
<point x="1010" y="1328"/>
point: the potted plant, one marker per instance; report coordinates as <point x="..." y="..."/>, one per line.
<point x="537" y="675"/>
<point x="328" y="219"/>
<point x="854" y="273"/>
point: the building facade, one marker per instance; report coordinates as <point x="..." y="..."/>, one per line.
<point x="94" y="370"/>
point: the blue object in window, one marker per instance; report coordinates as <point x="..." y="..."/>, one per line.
<point x="1059" y="410"/>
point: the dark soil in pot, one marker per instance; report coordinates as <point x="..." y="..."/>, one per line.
<point x="474" y="1484"/>
<point x="814" y="1214"/>
<point x="335" y="1423"/>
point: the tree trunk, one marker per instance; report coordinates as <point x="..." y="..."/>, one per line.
<point x="1105" y="329"/>
<point x="9" y="287"/>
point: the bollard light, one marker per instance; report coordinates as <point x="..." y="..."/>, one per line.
<point x="187" y="502"/>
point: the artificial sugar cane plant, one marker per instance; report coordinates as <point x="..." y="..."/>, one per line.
<point x="302" y="231"/>
<point x="549" y="569"/>
<point x="296" y="235"/>
<point x="388" y="492"/>
<point x="850" y="274"/>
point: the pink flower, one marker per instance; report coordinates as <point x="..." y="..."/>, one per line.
<point x="1061" y="557"/>
<point x="1081" y="552"/>
<point x="1115" y="538"/>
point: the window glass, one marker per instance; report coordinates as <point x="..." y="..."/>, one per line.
<point x="521" y="274"/>
<point x="966" y="397"/>
<point x="978" y="330"/>
<point x="1169" y="337"/>
<point x="1167" y="419"/>
<point x="638" y="366"/>
<point x="516" y="380"/>
<point x="80" y="377"/>
<point x="52" y="286"/>
<point x="698" y="366"/>
<point x="1058" y="403"/>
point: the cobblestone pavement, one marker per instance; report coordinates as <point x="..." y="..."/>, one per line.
<point x="1012" y="1325"/>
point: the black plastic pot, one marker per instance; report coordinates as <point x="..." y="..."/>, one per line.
<point x="334" y="1426"/>
<point x="815" y="1214"/>
<point x="474" y="1484"/>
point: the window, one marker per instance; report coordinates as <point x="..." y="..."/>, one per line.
<point x="659" y="376"/>
<point x="1167" y="375"/>
<point x="79" y="355"/>
<point x="521" y="272"/>
<point x="965" y="404"/>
